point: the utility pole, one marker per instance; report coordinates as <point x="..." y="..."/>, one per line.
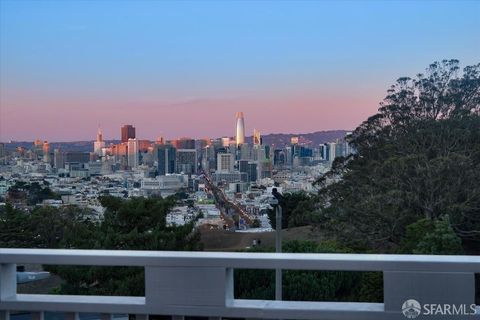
<point x="278" y="240"/>
<point x="278" y="248"/>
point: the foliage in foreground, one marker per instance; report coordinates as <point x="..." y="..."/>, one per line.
<point x="305" y="285"/>
<point x="135" y="224"/>
<point x="418" y="158"/>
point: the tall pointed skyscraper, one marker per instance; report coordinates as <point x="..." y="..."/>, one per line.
<point x="240" y="129"/>
<point x="257" y="138"/>
<point x="99" y="144"/>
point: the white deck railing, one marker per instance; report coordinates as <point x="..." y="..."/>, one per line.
<point x="201" y="284"/>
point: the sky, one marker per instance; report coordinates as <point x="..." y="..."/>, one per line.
<point x="184" y="68"/>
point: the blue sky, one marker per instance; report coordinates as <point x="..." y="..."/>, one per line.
<point x="155" y="54"/>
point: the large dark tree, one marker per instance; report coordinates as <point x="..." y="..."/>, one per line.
<point x="417" y="158"/>
<point x="297" y="210"/>
<point x="34" y="193"/>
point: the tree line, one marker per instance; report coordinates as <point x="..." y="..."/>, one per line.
<point x="412" y="186"/>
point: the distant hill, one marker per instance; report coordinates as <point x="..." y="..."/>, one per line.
<point x="314" y="138"/>
<point x="82" y="146"/>
<point x="276" y="139"/>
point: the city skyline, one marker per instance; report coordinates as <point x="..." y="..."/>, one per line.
<point x="181" y="69"/>
<point x="125" y="135"/>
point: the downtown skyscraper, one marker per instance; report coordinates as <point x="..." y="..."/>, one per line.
<point x="133" y="156"/>
<point x="99" y="144"/>
<point x="239" y="129"/>
<point x="167" y="159"/>
<point x="128" y="132"/>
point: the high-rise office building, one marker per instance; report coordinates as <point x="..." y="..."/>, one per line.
<point x="76" y="157"/>
<point x="323" y="151"/>
<point x="186" y="161"/>
<point x="232" y="148"/>
<point x="38" y="148"/>
<point x="340" y="149"/>
<point x="245" y="152"/>
<point x="267" y="151"/>
<point x="46" y="151"/>
<point x="147" y="157"/>
<point x="184" y="143"/>
<point x="288" y="156"/>
<point x="257" y="138"/>
<point x="202" y="143"/>
<point x="120" y="152"/>
<point x="37" y="152"/>
<point x="240" y="129"/>
<point x="252" y="171"/>
<point x="264" y="169"/>
<point x="279" y="158"/>
<point x="225" y="142"/>
<point x="99" y="144"/>
<point x="305" y="152"/>
<point x="332" y="151"/>
<point x="133" y="153"/>
<point x="144" y="145"/>
<point x="166" y="155"/>
<point x="209" y="160"/>
<point x="243" y="165"/>
<point x="260" y="153"/>
<point x="58" y="159"/>
<point x="348" y="148"/>
<point x="128" y="132"/>
<point x="225" y="162"/>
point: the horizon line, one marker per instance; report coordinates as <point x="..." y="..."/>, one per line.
<point x="194" y="138"/>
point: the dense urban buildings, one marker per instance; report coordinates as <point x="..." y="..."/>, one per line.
<point x="231" y="167"/>
<point x="135" y="167"/>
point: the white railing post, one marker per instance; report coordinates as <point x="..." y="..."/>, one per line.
<point x="8" y="281"/>
<point x="278" y="248"/>
<point x="38" y="315"/>
<point x="72" y="316"/>
<point x="229" y="286"/>
<point x="4" y="315"/>
<point x="106" y="316"/>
